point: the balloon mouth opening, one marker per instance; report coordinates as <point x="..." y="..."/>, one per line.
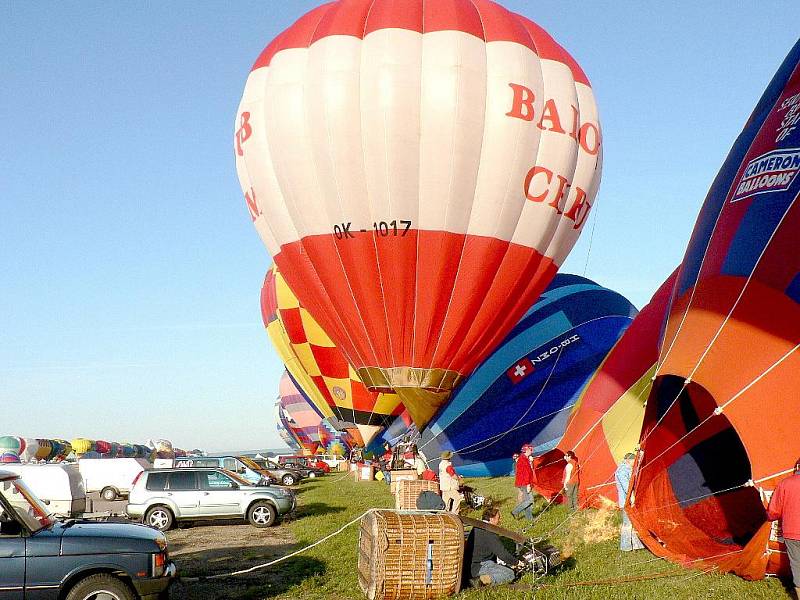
<point x="392" y="379"/>
<point x="422" y="391"/>
<point x="699" y="479"/>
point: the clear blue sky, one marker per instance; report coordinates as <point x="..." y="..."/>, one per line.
<point x="130" y="268"/>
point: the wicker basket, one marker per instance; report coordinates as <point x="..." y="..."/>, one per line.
<point x="410" y="555"/>
<point x="399" y="475"/>
<point x="409" y="490"/>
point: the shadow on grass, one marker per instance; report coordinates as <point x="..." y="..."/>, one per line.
<point x="195" y="570"/>
<point x="306" y="486"/>
<point x="316" y="509"/>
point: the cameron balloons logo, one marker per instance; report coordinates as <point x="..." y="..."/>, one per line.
<point x="419" y="171"/>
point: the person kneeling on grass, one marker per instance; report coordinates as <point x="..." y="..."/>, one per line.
<point x="482" y="550"/>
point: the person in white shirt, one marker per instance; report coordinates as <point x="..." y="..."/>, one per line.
<point x="449" y="482"/>
<point x="571" y="480"/>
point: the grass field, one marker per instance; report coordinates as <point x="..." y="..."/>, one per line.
<point x="329" y="570"/>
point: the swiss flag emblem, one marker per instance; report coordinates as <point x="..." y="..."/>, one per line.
<point x="520" y="370"/>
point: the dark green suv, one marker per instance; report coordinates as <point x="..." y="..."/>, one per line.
<point x="45" y="558"/>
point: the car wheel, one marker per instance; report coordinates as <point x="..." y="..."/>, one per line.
<point x="288" y="479"/>
<point x="101" y="587"/>
<point x="109" y="494"/>
<point x="262" y="514"/>
<point x="159" y="517"/>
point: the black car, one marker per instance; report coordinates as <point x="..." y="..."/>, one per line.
<point x="303" y="468"/>
<point x="44" y="558"/>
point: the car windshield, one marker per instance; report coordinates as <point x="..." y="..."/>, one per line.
<point x="30" y="510"/>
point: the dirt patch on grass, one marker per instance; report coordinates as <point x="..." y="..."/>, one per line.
<point x="201" y="551"/>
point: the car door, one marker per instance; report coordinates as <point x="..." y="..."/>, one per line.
<point x="12" y="558"/>
<point x="182" y="489"/>
<point x="220" y="495"/>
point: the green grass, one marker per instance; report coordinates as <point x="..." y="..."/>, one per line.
<point x="328" y="503"/>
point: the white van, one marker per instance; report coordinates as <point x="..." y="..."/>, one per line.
<point x="60" y="486"/>
<point x="112" y="477"/>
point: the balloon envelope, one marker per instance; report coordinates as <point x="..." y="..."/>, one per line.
<point x="9" y="457"/>
<point x="82" y="445"/>
<point x="11" y="444"/>
<point x="282" y="424"/>
<point x="721" y="424"/>
<point x="418" y="170"/>
<point x="337" y="448"/>
<point x="163" y="448"/>
<point x="44" y="450"/>
<point x="525" y="390"/>
<point x="31" y="450"/>
<point x="301" y="418"/>
<point x="317" y="366"/>
<point x="607" y="420"/>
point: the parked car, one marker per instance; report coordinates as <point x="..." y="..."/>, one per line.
<point x="241" y="465"/>
<point x="332" y="460"/>
<point x="59" y="486"/>
<point x="307" y="465"/>
<point x="162" y="497"/>
<point x="284" y="474"/>
<point x="112" y="477"/>
<point x="50" y="559"/>
<point x="252" y="472"/>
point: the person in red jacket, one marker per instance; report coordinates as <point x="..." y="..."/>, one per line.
<point x="524" y="480"/>
<point x="785" y="506"/>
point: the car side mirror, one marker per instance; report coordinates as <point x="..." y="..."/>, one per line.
<point x="234" y="486"/>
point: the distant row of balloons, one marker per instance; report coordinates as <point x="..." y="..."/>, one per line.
<point x="17" y="449"/>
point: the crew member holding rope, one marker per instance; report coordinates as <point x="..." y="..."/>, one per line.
<point x="785" y="506"/>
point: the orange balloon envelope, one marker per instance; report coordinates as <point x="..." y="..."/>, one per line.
<point x="418" y="170"/>
<point x="722" y="420"/>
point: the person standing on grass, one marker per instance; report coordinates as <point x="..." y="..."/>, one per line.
<point x="785" y="507"/>
<point x="514" y="459"/>
<point x="449" y="482"/>
<point x="482" y="550"/>
<point x="385" y="463"/>
<point x="628" y="540"/>
<point x="572" y="480"/>
<point x="524" y="481"/>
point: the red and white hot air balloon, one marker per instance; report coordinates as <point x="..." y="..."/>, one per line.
<point x="418" y="170"/>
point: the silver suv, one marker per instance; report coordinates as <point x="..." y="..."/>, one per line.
<point x="162" y="496"/>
